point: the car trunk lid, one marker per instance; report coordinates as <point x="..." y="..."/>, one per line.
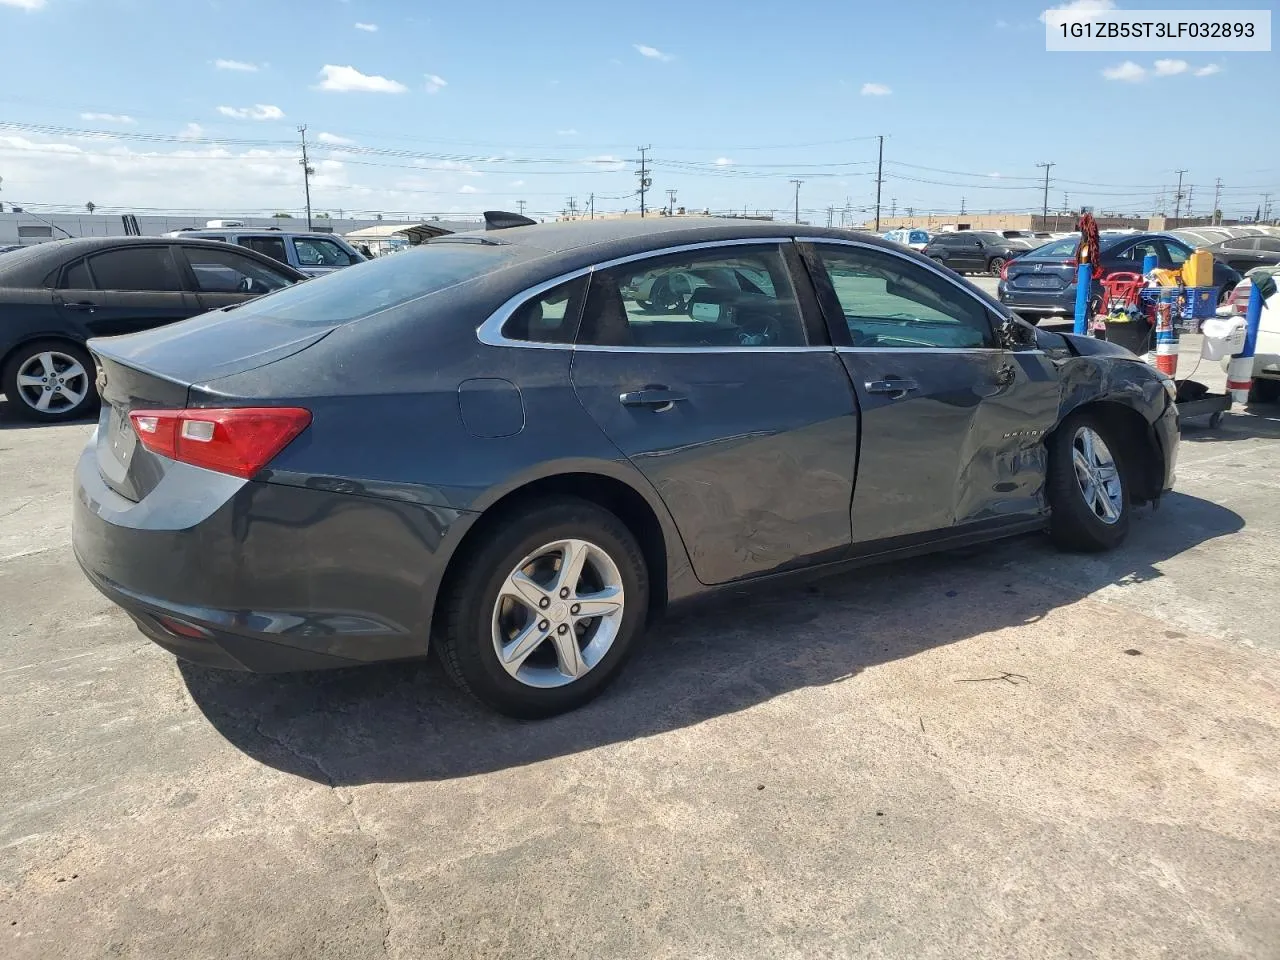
<point x="156" y="370"/>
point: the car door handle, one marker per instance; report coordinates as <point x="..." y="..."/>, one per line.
<point x="82" y="305"/>
<point x="658" y="399"/>
<point x="895" y="386"/>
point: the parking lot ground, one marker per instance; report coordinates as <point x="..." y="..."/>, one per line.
<point x="1003" y="752"/>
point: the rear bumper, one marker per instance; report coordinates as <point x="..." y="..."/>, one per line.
<point x="1060" y="302"/>
<point x="270" y="578"/>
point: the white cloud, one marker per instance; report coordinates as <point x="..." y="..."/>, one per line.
<point x="435" y="83"/>
<point x="1001" y="24"/>
<point x="1078" y="10"/>
<point x="259" y="111"/>
<point x="191" y="131"/>
<point x="994" y="175"/>
<point x="348" y="79"/>
<point x="517" y="183"/>
<point x="333" y="138"/>
<point x="723" y="162"/>
<point x="467" y="188"/>
<point x="1169" y="68"/>
<point x="653" y="53"/>
<point x="567" y="133"/>
<point x="108" y="117"/>
<point x="236" y="65"/>
<point x="875" y="90"/>
<point x="1208" y="70"/>
<point x="367" y="27"/>
<point x="23" y="4"/>
<point x="1128" y="71"/>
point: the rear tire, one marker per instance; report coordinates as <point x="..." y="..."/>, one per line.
<point x="1088" y="484"/>
<point x="65" y="367"/>
<point x="501" y="638"/>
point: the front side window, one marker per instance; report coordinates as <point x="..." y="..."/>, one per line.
<point x="319" y="252"/>
<point x="550" y="317"/>
<point x="1177" y="254"/>
<point x="135" y="268"/>
<point x="1269" y="244"/>
<point x="1139" y="252"/>
<point x="739" y="296"/>
<point x="272" y="247"/>
<point x="892" y="302"/>
<point x="225" y="271"/>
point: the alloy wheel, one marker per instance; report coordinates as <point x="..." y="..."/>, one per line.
<point x="53" y="382"/>
<point x="1097" y="475"/>
<point x="558" y="613"/>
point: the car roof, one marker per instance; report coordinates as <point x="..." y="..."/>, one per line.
<point x="30" y="266"/>
<point x="621" y="236"/>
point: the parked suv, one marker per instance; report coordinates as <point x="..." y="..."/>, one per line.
<point x="314" y="254"/>
<point x="973" y="251"/>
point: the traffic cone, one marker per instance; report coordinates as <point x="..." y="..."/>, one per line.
<point x="1166" y="341"/>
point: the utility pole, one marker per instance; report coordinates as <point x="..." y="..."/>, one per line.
<point x="1044" y="213"/>
<point x="1191" y="192"/>
<point x="831" y="215"/>
<point x="520" y="204"/>
<point x="879" y="181"/>
<point x="797" y="183"/>
<point x="1266" y="207"/>
<point x="307" y="171"/>
<point x="893" y="208"/>
<point x="671" y="203"/>
<point x="1177" y="198"/>
<point x="643" y="174"/>
<point x="572" y="203"/>
<point x="1217" y="197"/>
<point x="592" y="202"/>
<point x="911" y="214"/>
<point x="961" y="212"/>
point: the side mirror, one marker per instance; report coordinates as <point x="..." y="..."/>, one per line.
<point x="1013" y="334"/>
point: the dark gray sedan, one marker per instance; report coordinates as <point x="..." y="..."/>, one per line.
<point x="520" y="445"/>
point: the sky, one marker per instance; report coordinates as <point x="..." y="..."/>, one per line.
<point x="419" y="107"/>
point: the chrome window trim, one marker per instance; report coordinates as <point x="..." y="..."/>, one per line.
<point x="490" y="331"/>
<point x="948" y="350"/>
<point x="929" y="266"/>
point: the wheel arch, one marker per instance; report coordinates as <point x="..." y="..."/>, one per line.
<point x="641" y="511"/>
<point x="1146" y="467"/>
<point x="28" y="338"/>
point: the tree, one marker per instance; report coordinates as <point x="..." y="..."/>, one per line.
<point x="282" y="216"/>
<point x="322" y="216"/>
<point x="91" y="206"/>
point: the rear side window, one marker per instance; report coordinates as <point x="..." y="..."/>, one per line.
<point x="76" y="277"/>
<point x="136" y="268"/>
<point x="736" y="296"/>
<point x="272" y="247"/>
<point x="1241" y="243"/>
<point x="550" y="317"/>
<point x="346" y="295"/>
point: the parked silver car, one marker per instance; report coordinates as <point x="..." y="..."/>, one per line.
<point x="311" y="253"/>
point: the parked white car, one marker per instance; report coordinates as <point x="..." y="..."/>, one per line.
<point x="1266" y="356"/>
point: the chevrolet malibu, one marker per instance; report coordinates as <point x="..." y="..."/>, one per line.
<point x="497" y="445"/>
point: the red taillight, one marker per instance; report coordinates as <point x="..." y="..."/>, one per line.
<point x="1004" y="270"/>
<point x="235" y="440"/>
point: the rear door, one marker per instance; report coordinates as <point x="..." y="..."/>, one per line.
<point x="222" y="276"/>
<point x="319" y="254"/>
<point x="699" y="367"/>
<point x="951" y="424"/>
<point x="134" y="287"/>
<point x="267" y="245"/>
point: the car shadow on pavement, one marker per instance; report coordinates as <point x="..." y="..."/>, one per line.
<point x="406" y="722"/>
<point x="11" y="421"/>
<point x="1258" y="420"/>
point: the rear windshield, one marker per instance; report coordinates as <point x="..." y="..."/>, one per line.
<point x="369" y="288"/>
<point x="1062" y="249"/>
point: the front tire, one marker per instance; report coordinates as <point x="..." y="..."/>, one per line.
<point x="1088" y="485"/>
<point x="994" y="267"/>
<point x="543" y="614"/>
<point x="50" y="381"/>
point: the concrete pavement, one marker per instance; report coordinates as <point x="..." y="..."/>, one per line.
<point x="1005" y="752"/>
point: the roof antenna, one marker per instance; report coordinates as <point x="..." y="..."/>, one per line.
<point x="501" y="220"/>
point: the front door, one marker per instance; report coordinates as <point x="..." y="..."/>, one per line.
<point x="697" y="366"/>
<point x="952" y="426"/>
